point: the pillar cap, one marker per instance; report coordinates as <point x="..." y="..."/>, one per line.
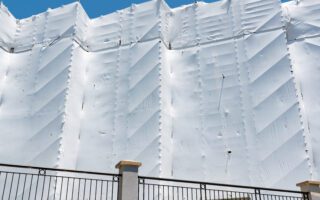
<point x="308" y="182"/>
<point x="129" y="163"/>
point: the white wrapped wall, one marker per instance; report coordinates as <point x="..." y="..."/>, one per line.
<point x="303" y="28"/>
<point x="222" y="91"/>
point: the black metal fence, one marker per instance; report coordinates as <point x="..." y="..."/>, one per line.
<point x="33" y="183"/>
<point x="171" y="189"/>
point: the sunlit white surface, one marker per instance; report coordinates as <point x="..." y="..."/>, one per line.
<point x="223" y="91"/>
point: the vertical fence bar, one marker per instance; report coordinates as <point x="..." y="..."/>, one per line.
<point x="30" y="187"/>
<point x="203" y="187"/>
<point x="12" y="177"/>
<point x="4" y="185"/>
<point x="17" y="187"/>
<point x="257" y="194"/>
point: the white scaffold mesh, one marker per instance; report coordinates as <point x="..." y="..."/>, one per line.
<point x="225" y="91"/>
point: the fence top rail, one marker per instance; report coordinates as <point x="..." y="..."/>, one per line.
<point x="222" y="184"/>
<point x="57" y="169"/>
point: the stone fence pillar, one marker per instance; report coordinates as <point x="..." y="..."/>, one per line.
<point x="128" y="183"/>
<point x="312" y="187"/>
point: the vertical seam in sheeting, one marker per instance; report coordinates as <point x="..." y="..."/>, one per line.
<point x="202" y="165"/>
<point x="251" y="143"/>
<point x="303" y="119"/>
<point x="241" y="88"/>
<point x="160" y="74"/>
<point x="116" y="88"/>
<point x="165" y="118"/>
<point x="130" y="62"/>
<point x="66" y="99"/>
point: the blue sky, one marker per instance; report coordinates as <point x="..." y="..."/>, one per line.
<point x="94" y="8"/>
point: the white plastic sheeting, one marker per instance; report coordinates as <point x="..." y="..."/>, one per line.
<point x="303" y="24"/>
<point x="222" y="91"/>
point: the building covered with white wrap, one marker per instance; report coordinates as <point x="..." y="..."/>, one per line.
<point x="226" y="91"/>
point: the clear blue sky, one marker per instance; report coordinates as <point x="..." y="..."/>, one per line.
<point x="94" y="8"/>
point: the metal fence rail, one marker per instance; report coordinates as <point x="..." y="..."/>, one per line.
<point x="35" y="183"/>
<point x="151" y="188"/>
